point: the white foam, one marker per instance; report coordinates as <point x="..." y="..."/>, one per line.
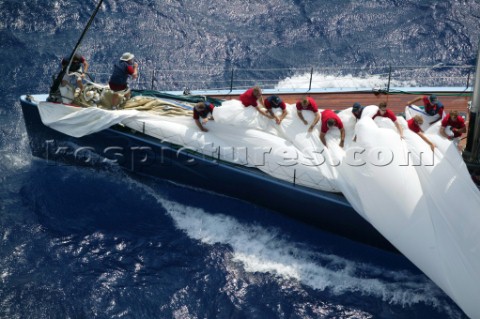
<point x="266" y="250"/>
<point x="320" y="80"/>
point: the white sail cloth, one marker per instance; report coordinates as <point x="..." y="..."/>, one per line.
<point x="428" y="209"/>
<point x="424" y="203"/>
<point x="78" y="121"/>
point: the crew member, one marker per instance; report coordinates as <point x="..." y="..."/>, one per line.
<point x="384" y="112"/>
<point x="308" y="104"/>
<point x="357" y="110"/>
<point x="124" y="68"/>
<point x="203" y="110"/>
<point x="76" y="72"/>
<point x="456" y="124"/>
<point x="251" y="97"/>
<point x="275" y="102"/>
<point x="432" y="106"/>
<point x="414" y="125"/>
<point x="329" y="120"/>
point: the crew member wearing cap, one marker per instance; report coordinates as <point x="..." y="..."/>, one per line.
<point x="307" y="103"/>
<point x="329" y="120"/>
<point x="124" y="68"/>
<point x="357" y="110"/>
<point x="431" y="105"/>
<point x="275" y="102"/>
<point x="203" y="110"/>
<point x="78" y="61"/>
<point x="251" y="97"/>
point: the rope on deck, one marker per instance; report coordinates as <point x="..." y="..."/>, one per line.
<point x="156" y="105"/>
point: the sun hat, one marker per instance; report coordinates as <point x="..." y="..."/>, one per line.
<point x="127" y="56"/>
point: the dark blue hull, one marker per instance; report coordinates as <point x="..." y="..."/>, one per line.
<point x="147" y="156"/>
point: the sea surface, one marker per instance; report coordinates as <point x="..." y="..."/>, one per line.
<point x="98" y="243"/>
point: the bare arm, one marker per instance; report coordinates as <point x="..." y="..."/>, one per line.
<point x="300" y="115"/>
<point x="262" y="111"/>
<point x="322" y="138"/>
<point x="432" y="146"/>
<point x="200" y="126"/>
<point x="261" y="108"/>
<point x="399" y="128"/>
<point x="442" y="132"/>
<point x="85" y="66"/>
<point x="315" y="121"/>
<point x="342" y="137"/>
<point x="282" y="116"/>
<point x="454" y="130"/>
<point x="262" y="101"/>
<point x="278" y="120"/>
<point x="269" y="111"/>
<point x="135" y="70"/>
<point x="414" y="100"/>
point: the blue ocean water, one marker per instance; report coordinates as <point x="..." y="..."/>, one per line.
<point x="93" y="243"/>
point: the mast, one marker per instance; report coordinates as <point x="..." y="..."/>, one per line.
<point x="54" y="95"/>
<point x="473" y="138"/>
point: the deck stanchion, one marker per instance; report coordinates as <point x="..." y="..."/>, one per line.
<point x="389" y="78"/>
<point x="153" y="78"/>
<point x="311" y="77"/>
<point x="294" y="177"/>
<point x="231" y="82"/>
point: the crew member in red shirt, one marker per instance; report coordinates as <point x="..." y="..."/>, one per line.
<point x="308" y="103"/>
<point x="203" y="110"/>
<point x="329" y="120"/>
<point x="251" y="97"/>
<point x="431" y="105"/>
<point x="384" y="112"/>
<point x="457" y="123"/>
<point x="275" y="102"/>
<point x="414" y="125"/>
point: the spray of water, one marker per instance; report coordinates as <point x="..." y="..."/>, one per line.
<point x="320" y="80"/>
